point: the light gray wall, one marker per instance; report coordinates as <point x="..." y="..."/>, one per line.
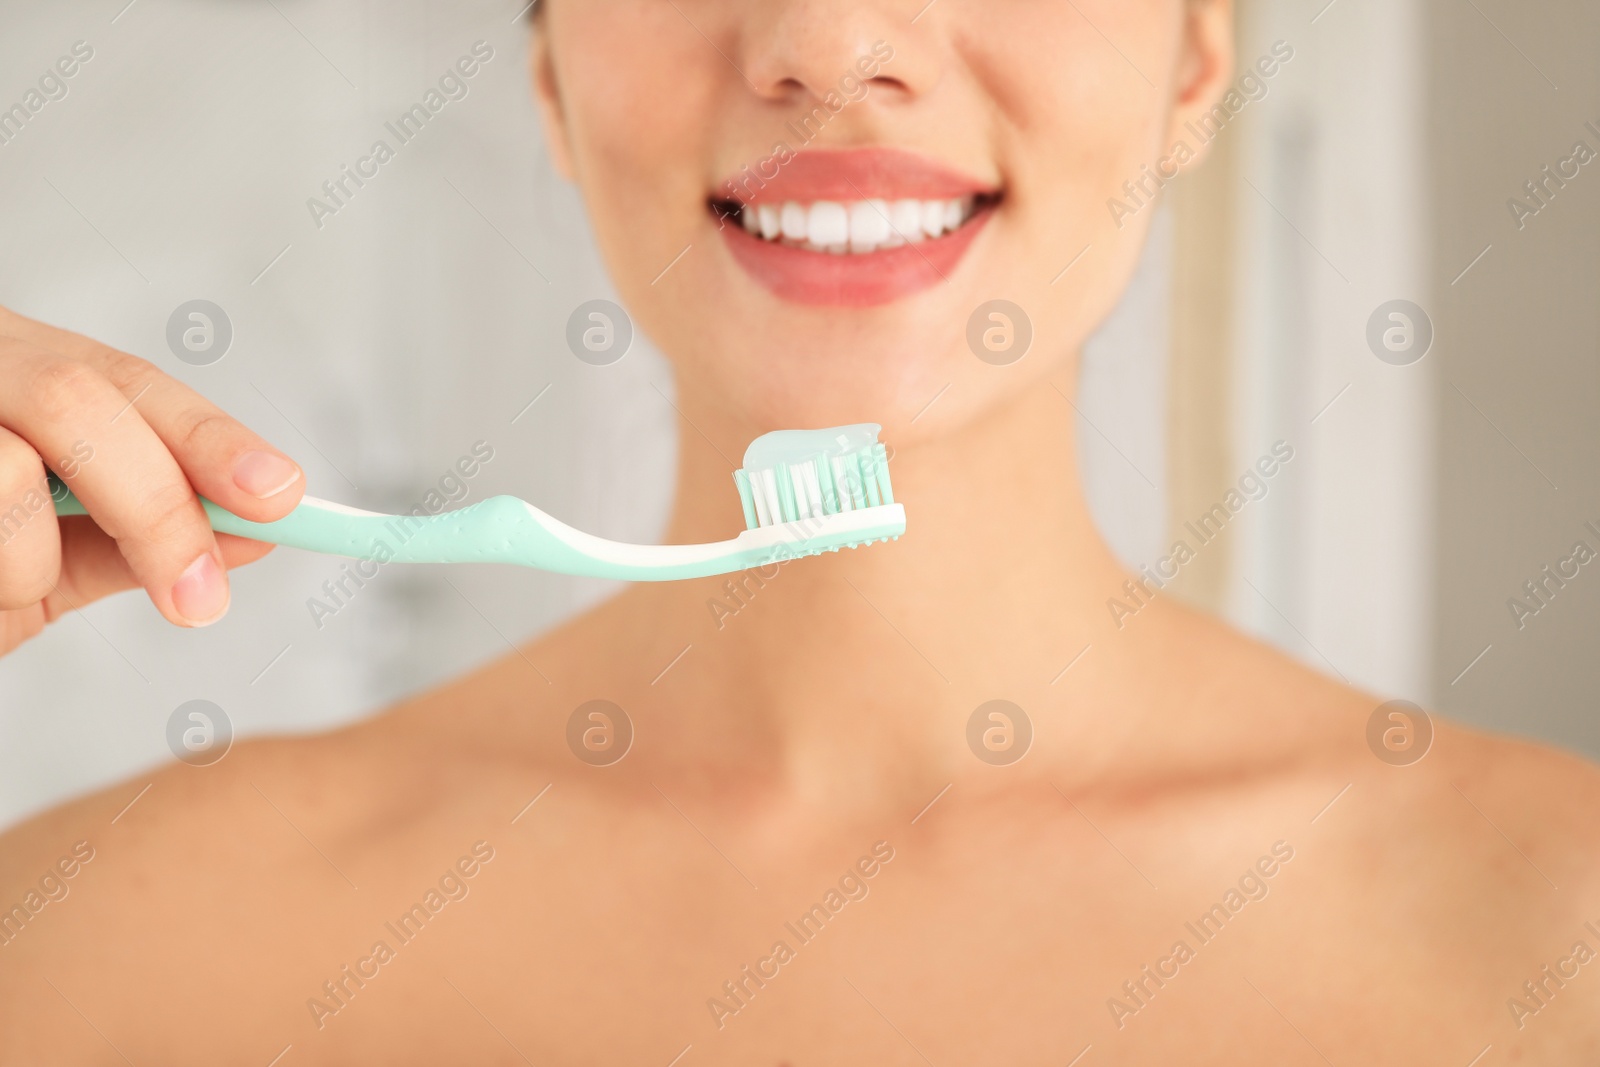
<point x="1513" y="84"/>
<point x="1334" y="566"/>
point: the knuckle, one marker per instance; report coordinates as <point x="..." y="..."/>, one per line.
<point x="21" y="596"/>
<point x="63" y="388"/>
<point x="128" y="373"/>
<point x="24" y="585"/>
<point x="21" y="468"/>
<point x="16" y="340"/>
<point x="23" y="496"/>
<point x="169" y="515"/>
<point x="17" y="512"/>
<point x="203" y="428"/>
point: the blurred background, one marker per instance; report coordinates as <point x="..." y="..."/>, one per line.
<point x="1434" y="475"/>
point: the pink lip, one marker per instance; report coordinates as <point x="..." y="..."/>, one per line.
<point x="850" y="174"/>
<point x="823" y="278"/>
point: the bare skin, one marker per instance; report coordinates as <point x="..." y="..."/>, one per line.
<point x="1166" y="763"/>
<point x="817" y="740"/>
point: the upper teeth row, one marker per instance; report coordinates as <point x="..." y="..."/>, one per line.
<point x="857" y="225"/>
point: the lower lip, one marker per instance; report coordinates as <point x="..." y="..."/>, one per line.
<point x="850" y="280"/>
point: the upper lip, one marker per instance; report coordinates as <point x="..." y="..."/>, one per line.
<point x="849" y="174"/>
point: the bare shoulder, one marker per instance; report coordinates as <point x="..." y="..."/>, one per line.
<point x="275" y="803"/>
<point x="329" y="807"/>
<point x="1509" y="819"/>
<point x="260" y="873"/>
<point x="1480" y="863"/>
<point x="1463" y="865"/>
<point x="1313" y="725"/>
<point x="1424" y="770"/>
<point x="1551" y="796"/>
<point x="241" y="813"/>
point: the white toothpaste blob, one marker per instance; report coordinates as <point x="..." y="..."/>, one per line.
<point x="789" y="475"/>
<point x="794" y="446"/>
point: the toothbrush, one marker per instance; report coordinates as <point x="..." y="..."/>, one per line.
<point x="804" y="492"/>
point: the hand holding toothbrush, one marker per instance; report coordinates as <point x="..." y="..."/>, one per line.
<point x="138" y="448"/>
<point x="130" y="447"/>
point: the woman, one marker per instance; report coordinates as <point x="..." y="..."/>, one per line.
<point x="821" y="842"/>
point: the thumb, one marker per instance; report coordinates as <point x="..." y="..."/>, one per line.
<point x="92" y="567"/>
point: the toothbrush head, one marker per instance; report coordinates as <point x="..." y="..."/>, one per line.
<point x="799" y="479"/>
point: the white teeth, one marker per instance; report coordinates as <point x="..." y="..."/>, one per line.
<point x="905" y="217"/>
<point x="953" y="214"/>
<point x="828" y="223"/>
<point x="869" y="225"/>
<point x="856" y="227"/>
<point x="793" y="216"/>
<point x="771" y="225"/>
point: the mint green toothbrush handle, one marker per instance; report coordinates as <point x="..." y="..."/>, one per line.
<point x="503" y="529"/>
<point x="314" y="525"/>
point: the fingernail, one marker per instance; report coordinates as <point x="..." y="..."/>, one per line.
<point x="201" y="592"/>
<point x="264" y="474"/>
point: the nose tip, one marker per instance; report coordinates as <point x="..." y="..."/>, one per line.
<point x="794" y="49"/>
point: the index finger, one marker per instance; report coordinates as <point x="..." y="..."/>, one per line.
<point x="225" y="461"/>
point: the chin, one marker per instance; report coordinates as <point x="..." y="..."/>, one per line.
<point x="808" y="379"/>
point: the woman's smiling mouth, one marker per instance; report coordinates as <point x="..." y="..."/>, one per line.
<point x="852" y="227"/>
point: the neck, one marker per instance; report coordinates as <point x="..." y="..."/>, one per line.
<point x="857" y="672"/>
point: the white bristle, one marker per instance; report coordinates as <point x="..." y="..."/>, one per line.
<point x="813" y="489"/>
<point x="760" y="493"/>
<point x="797" y="486"/>
<point x="793" y="475"/>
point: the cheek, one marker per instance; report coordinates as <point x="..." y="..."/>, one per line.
<point x="1080" y="116"/>
<point x="1072" y="120"/>
<point x="1086" y="80"/>
<point x="639" y="102"/>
